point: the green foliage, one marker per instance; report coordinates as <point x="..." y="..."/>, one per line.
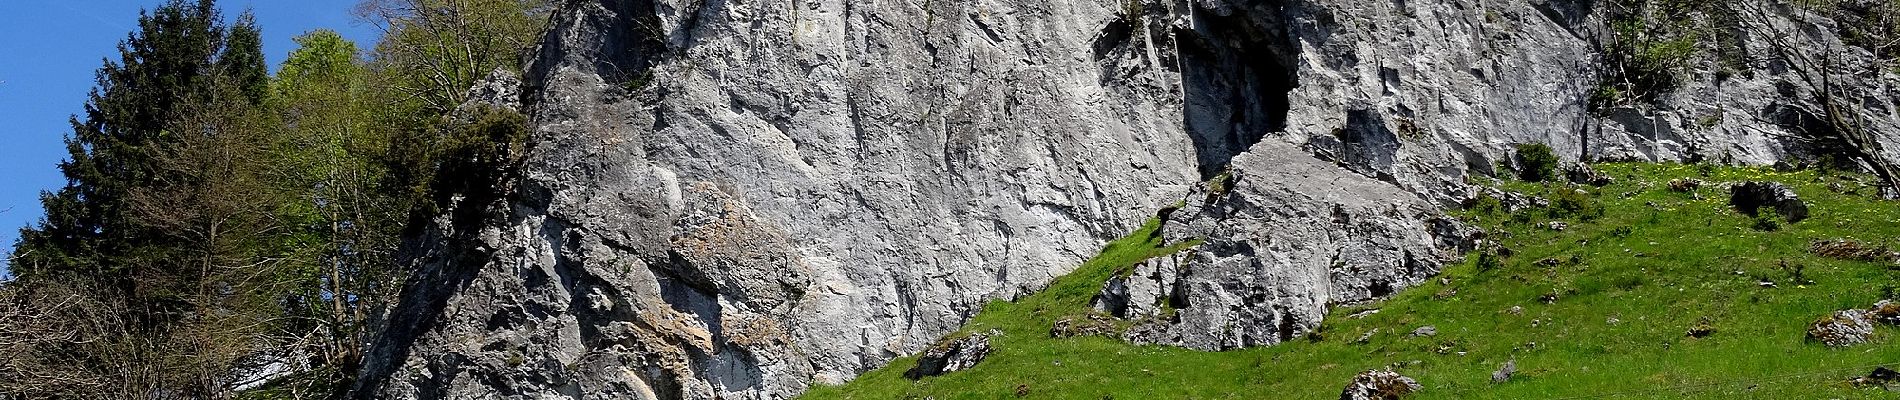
<point x="1489" y="260"/>
<point x="420" y="74"/>
<point x="1654" y="42"/>
<point x="1486" y="205"/>
<point x="1220" y="185"/>
<point x="1629" y="286"/>
<point x="323" y="61"/>
<point x="1869" y="25"/>
<point x="478" y="155"/>
<point x="345" y="216"/>
<point x="87" y="230"/>
<point x="166" y="219"/>
<point x="1574" y="203"/>
<point x="434" y="50"/>
<point x="215" y="215"/>
<point x="1768" y="222"/>
<point x="1536" y="163"/>
<point x="243" y="59"/>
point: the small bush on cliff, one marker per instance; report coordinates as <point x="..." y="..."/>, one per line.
<point x="1653" y="43"/>
<point x="1536" y="163"/>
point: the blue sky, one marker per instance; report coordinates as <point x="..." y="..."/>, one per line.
<point x="48" y="52"/>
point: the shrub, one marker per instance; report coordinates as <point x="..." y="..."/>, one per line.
<point x="1767" y="222"/>
<point x="1575" y="204"/>
<point x="477" y="158"/>
<point x="1536" y="163"/>
<point x="1489" y="260"/>
<point x="1485" y="204"/>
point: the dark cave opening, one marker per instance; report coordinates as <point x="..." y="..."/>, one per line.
<point x="1237" y="71"/>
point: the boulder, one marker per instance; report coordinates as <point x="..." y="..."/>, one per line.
<point x="1881" y="377"/>
<point x="1503" y="374"/>
<point x="1379" y="385"/>
<point x="1583" y="174"/>
<point x="953" y="355"/>
<point x="1886" y="312"/>
<point x="1684" y="185"/>
<point x="1842" y="328"/>
<point x="1751" y="197"/>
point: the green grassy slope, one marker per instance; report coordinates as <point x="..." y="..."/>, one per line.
<point x="1628" y="287"/>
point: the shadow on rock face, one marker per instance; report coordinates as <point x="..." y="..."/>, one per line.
<point x="1236" y="76"/>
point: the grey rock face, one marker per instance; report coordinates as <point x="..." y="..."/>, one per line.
<point x="741" y="199"/>
<point x="794" y="195"/>
<point x="1292" y="236"/>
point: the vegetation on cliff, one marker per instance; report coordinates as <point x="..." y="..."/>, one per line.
<point x="221" y="226"/>
<point x="1669" y="293"/>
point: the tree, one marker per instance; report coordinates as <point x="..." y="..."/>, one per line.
<point x="86" y="231"/>
<point x="1536" y="162"/>
<point x="164" y="228"/>
<point x="243" y="59"/>
<point x="437" y="49"/>
<point x="345" y="223"/>
<point x="1834" y="122"/>
<point x="216" y="200"/>
<point x="431" y="53"/>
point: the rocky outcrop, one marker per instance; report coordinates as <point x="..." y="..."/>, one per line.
<point x="1290" y="237"/>
<point x="1379" y="385"/>
<point x="1842" y="328"/>
<point x="953" y="355"/>
<point x="1753" y="198"/>
<point x="741" y="199"/>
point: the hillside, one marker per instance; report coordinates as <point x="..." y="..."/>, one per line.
<point x="691" y="199"/>
<point x="1608" y="315"/>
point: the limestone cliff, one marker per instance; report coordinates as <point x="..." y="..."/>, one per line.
<point x="739" y="199"/>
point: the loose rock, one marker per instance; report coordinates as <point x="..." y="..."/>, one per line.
<point x="953" y="356"/>
<point x="1751" y="197"/>
<point x="1886" y="312"/>
<point x="1684" y="185"/>
<point x="1425" y="331"/>
<point x="1503" y="374"/>
<point x="1583" y="174"/>
<point x="1091" y="325"/>
<point x="1379" y="385"/>
<point x="1842" y="328"/>
<point x="1366" y="337"/>
<point x="1854" y="250"/>
<point x="1702" y="329"/>
<point x="1881" y="377"/>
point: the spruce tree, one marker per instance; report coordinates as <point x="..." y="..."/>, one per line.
<point x="87" y="232"/>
